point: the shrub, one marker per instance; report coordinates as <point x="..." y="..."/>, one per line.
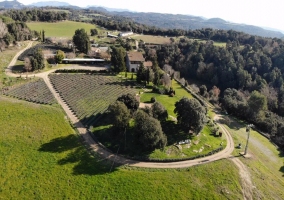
<point x="153" y="99"/>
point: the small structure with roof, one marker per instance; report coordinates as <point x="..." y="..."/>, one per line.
<point x="148" y="64"/>
<point x="134" y="60"/>
<point x="124" y="34"/>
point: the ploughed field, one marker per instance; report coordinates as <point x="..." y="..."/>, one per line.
<point x="35" y="91"/>
<point x="89" y="95"/>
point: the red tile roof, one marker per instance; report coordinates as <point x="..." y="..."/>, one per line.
<point x="135" y="56"/>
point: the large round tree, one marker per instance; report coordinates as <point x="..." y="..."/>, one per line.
<point x="81" y="40"/>
<point x="148" y="132"/>
<point x="191" y="115"/>
<point x="130" y="101"/>
<point x="120" y="115"/>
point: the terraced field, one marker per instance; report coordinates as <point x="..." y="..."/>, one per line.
<point x="35" y="91"/>
<point x="89" y="96"/>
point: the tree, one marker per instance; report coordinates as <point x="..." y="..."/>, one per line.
<point x="130" y="101"/>
<point x="8" y="38"/>
<point x="43" y="35"/>
<point x="81" y="40"/>
<point x="94" y="32"/>
<point x="202" y="90"/>
<point x="257" y="104"/>
<point x="191" y="115"/>
<point x="148" y="132"/>
<point x="166" y="80"/>
<point x="3" y="29"/>
<point x="37" y="60"/>
<point x="27" y="64"/>
<point x="142" y="74"/>
<point x="60" y="55"/>
<point x="120" y="115"/>
<point x="159" y="111"/>
<point x="118" y="59"/>
<point x="214" y="94"/>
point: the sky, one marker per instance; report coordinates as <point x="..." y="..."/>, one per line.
<point x="264" y="13"/>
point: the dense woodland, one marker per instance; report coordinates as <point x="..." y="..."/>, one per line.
<point x="12" y="31"/>
<point x="37" y="14"/>
<point x="250" y="77"/>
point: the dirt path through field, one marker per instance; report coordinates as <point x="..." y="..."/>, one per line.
<point x="246" y="182"/>
<point x="247" y="185"/>
<point x="8" y="70"/>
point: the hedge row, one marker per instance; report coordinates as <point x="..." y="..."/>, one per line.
<point x="82" y="71"/>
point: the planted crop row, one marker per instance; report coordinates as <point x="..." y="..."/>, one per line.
<point x="88" y="96"/>
<point x="35" y="91"/>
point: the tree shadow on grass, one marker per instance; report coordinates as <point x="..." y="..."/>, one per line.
<point x="174" y="132"/>
<point x="18" y="68"/>
<point x="86" y="162"/>
<point x="231" y="122"/>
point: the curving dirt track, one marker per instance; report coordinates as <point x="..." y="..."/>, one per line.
<point x="105" y="154"/>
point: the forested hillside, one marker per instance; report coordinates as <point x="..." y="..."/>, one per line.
<point x="250" y="77"/>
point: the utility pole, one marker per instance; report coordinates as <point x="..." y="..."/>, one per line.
<point x="248" y="131"/>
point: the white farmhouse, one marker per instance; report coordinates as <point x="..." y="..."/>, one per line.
<point x="134" y="60"/>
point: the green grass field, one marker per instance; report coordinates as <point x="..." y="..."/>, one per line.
<point x="266" y="164"/>
<point x="42" y="158"/>
<point x="166" y="100"/>
<point x="152" y="39"/>
<point x="64" y="29"/>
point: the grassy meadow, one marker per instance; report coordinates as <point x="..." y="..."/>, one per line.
<point x="166" y="100"/>
<point x="152" y="39"/>
<point x="42" y="158"/>
<point x="65" y="29"/>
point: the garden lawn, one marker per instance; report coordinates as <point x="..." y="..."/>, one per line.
<point x="42" y="158"/>
<point x="266" y="164"/>
<point x="202" y="144"/>
<point x="166" y="100"/>
<point x="64" y="29"/>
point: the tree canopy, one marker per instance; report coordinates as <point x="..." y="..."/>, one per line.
<point x="118" y="59"/>
<point x="60" y="55"/>
<point x="148" y="132"/>
<point x="191" y="115"/>
<point x="130" y="101"/>
<point x="120" y="115"/>
<point x="159" y="111"/>
<point x="81" y="40"/>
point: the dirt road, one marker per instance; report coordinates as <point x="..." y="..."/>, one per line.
<point x="107" y="154"/>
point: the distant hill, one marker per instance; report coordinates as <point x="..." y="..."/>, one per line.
<point x="53" y="4"/>
<point x="11" y="5"/>
<point x="50" y="3"/>
<point x="167" y="21"/>
<point x="191" y="22"/>
<point x="108" y="9"/>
